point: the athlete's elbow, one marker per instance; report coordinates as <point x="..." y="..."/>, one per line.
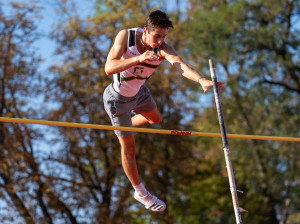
<point x="184" y="75"/>
<point x="108" y="71"/>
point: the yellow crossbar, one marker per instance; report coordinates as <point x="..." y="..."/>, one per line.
<point x="145" y="130"/>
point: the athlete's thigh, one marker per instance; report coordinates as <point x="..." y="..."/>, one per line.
<point x="153" y="115"/>
<point x="145" y="103"/>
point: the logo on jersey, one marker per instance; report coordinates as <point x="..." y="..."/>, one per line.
<point x="138" y="70"/>
<point x="132" y="53"/>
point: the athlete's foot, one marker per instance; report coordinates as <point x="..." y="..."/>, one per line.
<point x="151" y="202"/>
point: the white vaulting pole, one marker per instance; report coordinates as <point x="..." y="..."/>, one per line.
<point x="233" y="190"/>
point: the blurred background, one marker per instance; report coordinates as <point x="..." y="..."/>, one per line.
<point x="52" y="56"/>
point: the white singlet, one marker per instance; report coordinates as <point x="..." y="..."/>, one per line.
<point x="128" y="82"/>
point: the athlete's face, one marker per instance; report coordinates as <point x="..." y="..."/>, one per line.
<point x="156" y="36"/>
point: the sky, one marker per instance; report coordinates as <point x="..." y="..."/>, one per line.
<point x="46" y="47"/>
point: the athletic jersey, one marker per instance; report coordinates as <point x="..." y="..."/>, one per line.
<point x="128" y="82"/>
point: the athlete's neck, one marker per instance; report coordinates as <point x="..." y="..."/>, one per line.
<point x="142" y="43"/>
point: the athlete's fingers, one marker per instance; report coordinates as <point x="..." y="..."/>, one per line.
<point x="205" y="88"/>
<point x="150" y="55"/>
<point x="220" y="86"/>
<point x="209" y="84"/>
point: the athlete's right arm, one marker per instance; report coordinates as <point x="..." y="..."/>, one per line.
<point x="114" y="64"/>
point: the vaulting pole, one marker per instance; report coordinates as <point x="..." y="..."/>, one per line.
<point x="233" y="190"/>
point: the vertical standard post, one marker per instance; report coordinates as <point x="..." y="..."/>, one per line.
<point x="225" y="146"/>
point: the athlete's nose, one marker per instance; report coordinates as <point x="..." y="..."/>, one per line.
<point x="159" y="42"/>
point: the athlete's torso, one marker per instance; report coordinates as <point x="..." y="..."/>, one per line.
<point x="128" y="82"/>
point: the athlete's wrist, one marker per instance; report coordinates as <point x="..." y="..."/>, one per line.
<point x="138" y="59"/>
<point x="200" y="79"/>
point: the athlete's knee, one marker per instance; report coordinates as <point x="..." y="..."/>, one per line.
<point x="157" y="120"/>
<point x="128" y="152"/>
<point x="127" y="146"/>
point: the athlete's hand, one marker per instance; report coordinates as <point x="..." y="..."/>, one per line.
<point x="206" y="84"/>
<point x="148" y="55"/>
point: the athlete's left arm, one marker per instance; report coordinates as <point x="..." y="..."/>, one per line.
<point x="171" y="56"/>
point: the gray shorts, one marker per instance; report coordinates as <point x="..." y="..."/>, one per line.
<point x="120" y="108"/>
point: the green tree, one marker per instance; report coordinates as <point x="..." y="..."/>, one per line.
<point x="81" y="181"/>
<point x="18" y="67"/>
<point x="256" y="47"/>
<point x="24" y="183"/>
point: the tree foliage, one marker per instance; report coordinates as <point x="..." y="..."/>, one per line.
<point x="21" y="184"/>
<point x="256" y="47"/>
<point x="78" y="178"/>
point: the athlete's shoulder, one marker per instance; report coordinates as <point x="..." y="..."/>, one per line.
<point x="122" y="33"/>
<point x="164" y="46"/>
<point x="121" y="39"/>
<point x="166" y="49"/>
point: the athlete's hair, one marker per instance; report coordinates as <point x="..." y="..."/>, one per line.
<point x="158" y="19"/>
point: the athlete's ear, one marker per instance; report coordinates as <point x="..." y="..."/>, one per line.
<point x="145" y="30"/>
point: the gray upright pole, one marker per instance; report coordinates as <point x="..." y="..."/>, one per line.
<point x="233" y="190"/>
